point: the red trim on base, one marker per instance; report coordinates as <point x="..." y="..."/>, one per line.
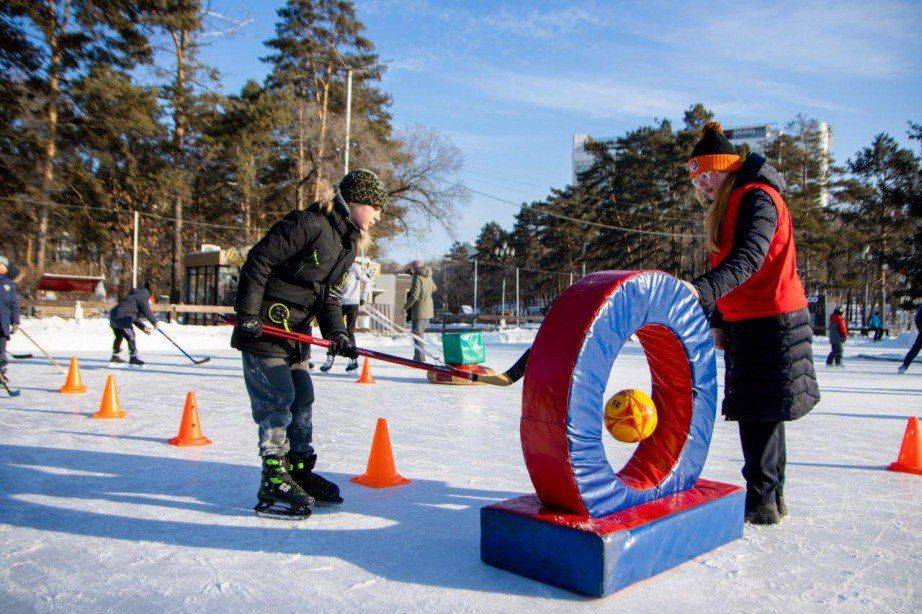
<point x="703" y="492"/>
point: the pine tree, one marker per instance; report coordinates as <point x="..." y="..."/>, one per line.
<point x="240" y="145"/>
<point x="798" y="154"/>
<point x="71" y="36"/>
<point x="315" y="41"/>
<point x="881" y="200"/>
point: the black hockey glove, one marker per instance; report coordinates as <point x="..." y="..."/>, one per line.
<point x="342" y="346"/>
<point x="249" y="325"/>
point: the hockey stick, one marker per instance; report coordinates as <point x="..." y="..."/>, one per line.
<point x="13" y="392"/>
<point x="511" y="375"/>
<point x="46" y="354"/>
<point x="170" y="339"/>
<point x="281" y="333"/>
<point x="384" y="321"/>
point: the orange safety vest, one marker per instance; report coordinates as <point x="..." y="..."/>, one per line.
<point x="775" y="288"/>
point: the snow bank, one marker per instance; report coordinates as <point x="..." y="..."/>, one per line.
<point x="59" y="335"/>
<point x="903" y="341"/>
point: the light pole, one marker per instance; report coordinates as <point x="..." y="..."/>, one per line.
<point x="502" y="253"/>
<point x="348" y="119"/>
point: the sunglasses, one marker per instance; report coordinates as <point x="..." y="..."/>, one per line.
<point x="703" y="178"/>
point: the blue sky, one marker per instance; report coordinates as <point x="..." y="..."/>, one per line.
<point x="510" y="82"/>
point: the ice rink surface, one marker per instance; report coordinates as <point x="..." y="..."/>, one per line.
<point x="105" y="516"/>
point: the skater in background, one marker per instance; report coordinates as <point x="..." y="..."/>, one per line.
<point x="355" y="289"/>
<point x="757" y="308"/>
<point x="419" y="306"/>
<point x="838" y="333"/>
<point x="876" y="326"/>
<point x="9" y="309"/>
<point x="917" y="344"/>
<point x="124" y="317"/>
<point x="295" y="273"/>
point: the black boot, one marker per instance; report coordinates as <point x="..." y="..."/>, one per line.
<point x="134" y="360"/>
<point x="320" y="488"/>
<point x="116" y="359"/>
<point x="767" y="513"/>
<point x="279" y="495"/>
<point x="782" y="506"/>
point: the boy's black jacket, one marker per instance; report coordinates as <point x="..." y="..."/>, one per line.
<point x="301" y="263"/>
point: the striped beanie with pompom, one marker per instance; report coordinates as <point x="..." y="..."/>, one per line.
<point x="713" y="152"/>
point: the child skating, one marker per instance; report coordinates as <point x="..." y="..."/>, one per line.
<point x="123" y="319"/>
<point x="293" y="274"/>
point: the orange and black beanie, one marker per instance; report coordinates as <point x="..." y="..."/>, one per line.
<point x="713" y="152"/>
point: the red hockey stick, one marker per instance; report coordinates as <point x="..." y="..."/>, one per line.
<point x="281" y="333"/>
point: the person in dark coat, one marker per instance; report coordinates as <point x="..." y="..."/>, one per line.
<point x="757" y="307"/>
<point x="9" y="309"/>
<point x="124" y="317"/>
<point x="838" y="333"/>
<point x="293" y="274"/>
<point x="916" y="346"/>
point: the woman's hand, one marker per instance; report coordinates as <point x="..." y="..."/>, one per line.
<point x="719" y="338"/>
<point x="691" y="288"/>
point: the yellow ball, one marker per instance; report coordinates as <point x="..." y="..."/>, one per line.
<point x="630" y="416"/>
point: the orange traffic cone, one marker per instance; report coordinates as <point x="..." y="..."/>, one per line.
<point x="365" y="377"/>
<point x="910" y="458"/>
<point x="74" y="383"/>
<point x="190" y="430"/>
<point x="381" y="471"/>
<point x="111" y="405"/>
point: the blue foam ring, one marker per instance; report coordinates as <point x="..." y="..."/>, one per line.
<point x="644" y="299"/>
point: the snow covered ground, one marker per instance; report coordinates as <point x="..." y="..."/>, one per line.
<point x="104" y="515"/>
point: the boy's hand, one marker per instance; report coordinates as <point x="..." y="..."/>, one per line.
<point x="249" y="325"/>
<point x="342" y="346"/>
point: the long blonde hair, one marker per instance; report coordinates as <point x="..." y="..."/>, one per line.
<point x="714" y="217"/>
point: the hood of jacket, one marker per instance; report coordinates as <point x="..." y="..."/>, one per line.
<point x="756" y="169"/>
<point x="340" y="220"/>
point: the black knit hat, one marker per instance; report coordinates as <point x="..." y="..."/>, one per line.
<point x="364" y="188"/>
<point x="713" y="152"/>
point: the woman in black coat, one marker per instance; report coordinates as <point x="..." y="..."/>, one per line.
<point x="757" y="307"/>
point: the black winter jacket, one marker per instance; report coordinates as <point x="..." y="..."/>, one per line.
<point x="131" y="309"/>
<point x="769" y="361"/>
<point x="301" y="263"/>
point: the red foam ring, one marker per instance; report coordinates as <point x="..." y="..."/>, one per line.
<point x="546" y="390"/>
<point x="548" y="465"/>
<point x="670" y="370"/>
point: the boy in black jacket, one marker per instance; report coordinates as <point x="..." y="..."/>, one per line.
<point x="124" y="317"/>
<point x="293" y="274"/>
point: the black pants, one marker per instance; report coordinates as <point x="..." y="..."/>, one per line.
<point x="281" y="401"/>
<point x="765" y="454"/>
<point x="351" y="312"/>
<point x="878" y="333"/>
<point x="3" y="350"/>
<point x="128" y="335"/>
<point x="914" y="350"/>
<point x="835" y="355"/>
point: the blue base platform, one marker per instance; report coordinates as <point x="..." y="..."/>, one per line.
<point x="599" y="556"/>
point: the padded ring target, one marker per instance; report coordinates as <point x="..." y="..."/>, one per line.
<point x="568" y="369"/>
